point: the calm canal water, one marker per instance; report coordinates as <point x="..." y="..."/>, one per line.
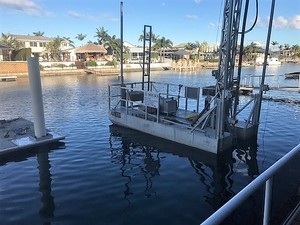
<point x="102" y="174"/>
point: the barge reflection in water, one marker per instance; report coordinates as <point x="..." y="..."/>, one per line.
<point x="215" y="172"/>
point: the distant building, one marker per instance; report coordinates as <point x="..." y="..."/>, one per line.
<point x="37" y="44"/>
<point x="135" y="52"/>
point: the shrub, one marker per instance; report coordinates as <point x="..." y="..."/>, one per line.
<point x="91" y="63"/>
<point x="111" y="63"/>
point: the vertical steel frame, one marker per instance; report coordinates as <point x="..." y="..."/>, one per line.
<point x="146" y="56"/>
<point x="227" y="53"/>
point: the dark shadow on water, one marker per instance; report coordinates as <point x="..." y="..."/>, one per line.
<point x="24" y="154"/>
<point x="216" y="172"/>
<point x="46" y="211"/>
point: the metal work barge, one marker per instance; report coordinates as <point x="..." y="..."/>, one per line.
<point x="173" y="112"/>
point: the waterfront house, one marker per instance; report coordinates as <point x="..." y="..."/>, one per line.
<point x="91" y="52"/>
<point x="37" y="44"/>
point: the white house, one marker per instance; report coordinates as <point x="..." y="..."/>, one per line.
<point x="38" y="45"/>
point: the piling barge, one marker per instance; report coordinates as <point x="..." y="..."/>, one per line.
<point x="174" y="112"/>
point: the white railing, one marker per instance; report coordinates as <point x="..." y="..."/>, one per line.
<point x="264" y="178"/>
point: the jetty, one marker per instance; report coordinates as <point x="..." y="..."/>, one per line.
<point x="8" y="78"/>
<point x="102" y="72"/>
<point x="18" y="135"/>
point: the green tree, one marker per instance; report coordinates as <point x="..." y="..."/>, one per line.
<point x="11" y="41"/>
<point x="38" y="33"/>
<point x="250" y="51"/>
<point x="274" y="43"/>
<point x="102" y="35"/>
<point x="296" y="50"/>
<point x="71" y="43"/>
<point x="54" y="49"/>
<point x="162" y="44"/>
<point x="190" y="46"/>
<point x="153" y="37"/>
<point x="80" y="36"/>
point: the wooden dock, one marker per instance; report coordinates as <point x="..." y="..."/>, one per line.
<point x="102" y="72"/>
<point x="8" y="78"/>
<point x="18" y="135"/>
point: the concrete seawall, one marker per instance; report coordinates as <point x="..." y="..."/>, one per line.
<point x="19" y="69"/>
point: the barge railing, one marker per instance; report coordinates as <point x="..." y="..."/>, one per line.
<point x="265" y="178"/>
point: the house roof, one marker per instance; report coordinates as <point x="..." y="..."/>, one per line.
<point x="181" y="45"/>
<point x="91" y="48"/>
<point x="181" y="52"/>
<point x="30" y="37"/>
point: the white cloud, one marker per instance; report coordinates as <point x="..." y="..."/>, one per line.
<point x="74" y="14"/>
<point x="26" y="6"/>
<point x="295" y="22"/>
<point x="191" y="17"/>
<point x="281" y="22"/>
<point x="104" y="16"/>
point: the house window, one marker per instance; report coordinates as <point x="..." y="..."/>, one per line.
<point x="41" y="44"/>
<point x="33" y="44"/>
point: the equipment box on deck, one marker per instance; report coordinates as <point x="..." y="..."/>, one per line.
<point x="167" y="105"/>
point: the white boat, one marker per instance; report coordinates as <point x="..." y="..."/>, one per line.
<point x="273" y="61"/>
<point x="270" y="61"/>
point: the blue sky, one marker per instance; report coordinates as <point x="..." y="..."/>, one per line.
<point x="178" y="20"/>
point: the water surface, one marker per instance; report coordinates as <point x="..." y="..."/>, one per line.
<point x="103" y="174"/>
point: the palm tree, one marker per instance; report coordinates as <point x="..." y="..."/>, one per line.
<point x="190" y="46"/>
<point x="153" y="37"/>
<point x="162" y="44"/>
<point x="80" y="36"/>
<point x="38" y="33"/>
<point x="251" y="50"/>
<point x="11" y="42"/>
<point x="274" y="43"/>
<point x="296" y="50"/>
<point x="102" y="35"/>
<point x="71" y="43"/>
<point x="54" y="48"/>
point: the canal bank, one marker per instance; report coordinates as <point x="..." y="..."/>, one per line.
<point x="19" y="68"/>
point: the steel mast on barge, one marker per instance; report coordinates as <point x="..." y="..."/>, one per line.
<point x="172" y="111"/>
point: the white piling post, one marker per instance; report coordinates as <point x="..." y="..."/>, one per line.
<point x="37" y="98"/>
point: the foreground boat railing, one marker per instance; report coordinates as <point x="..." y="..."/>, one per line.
<point x="265" y="178"/>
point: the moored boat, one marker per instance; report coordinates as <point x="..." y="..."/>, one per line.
<point x="292" y="75"/>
